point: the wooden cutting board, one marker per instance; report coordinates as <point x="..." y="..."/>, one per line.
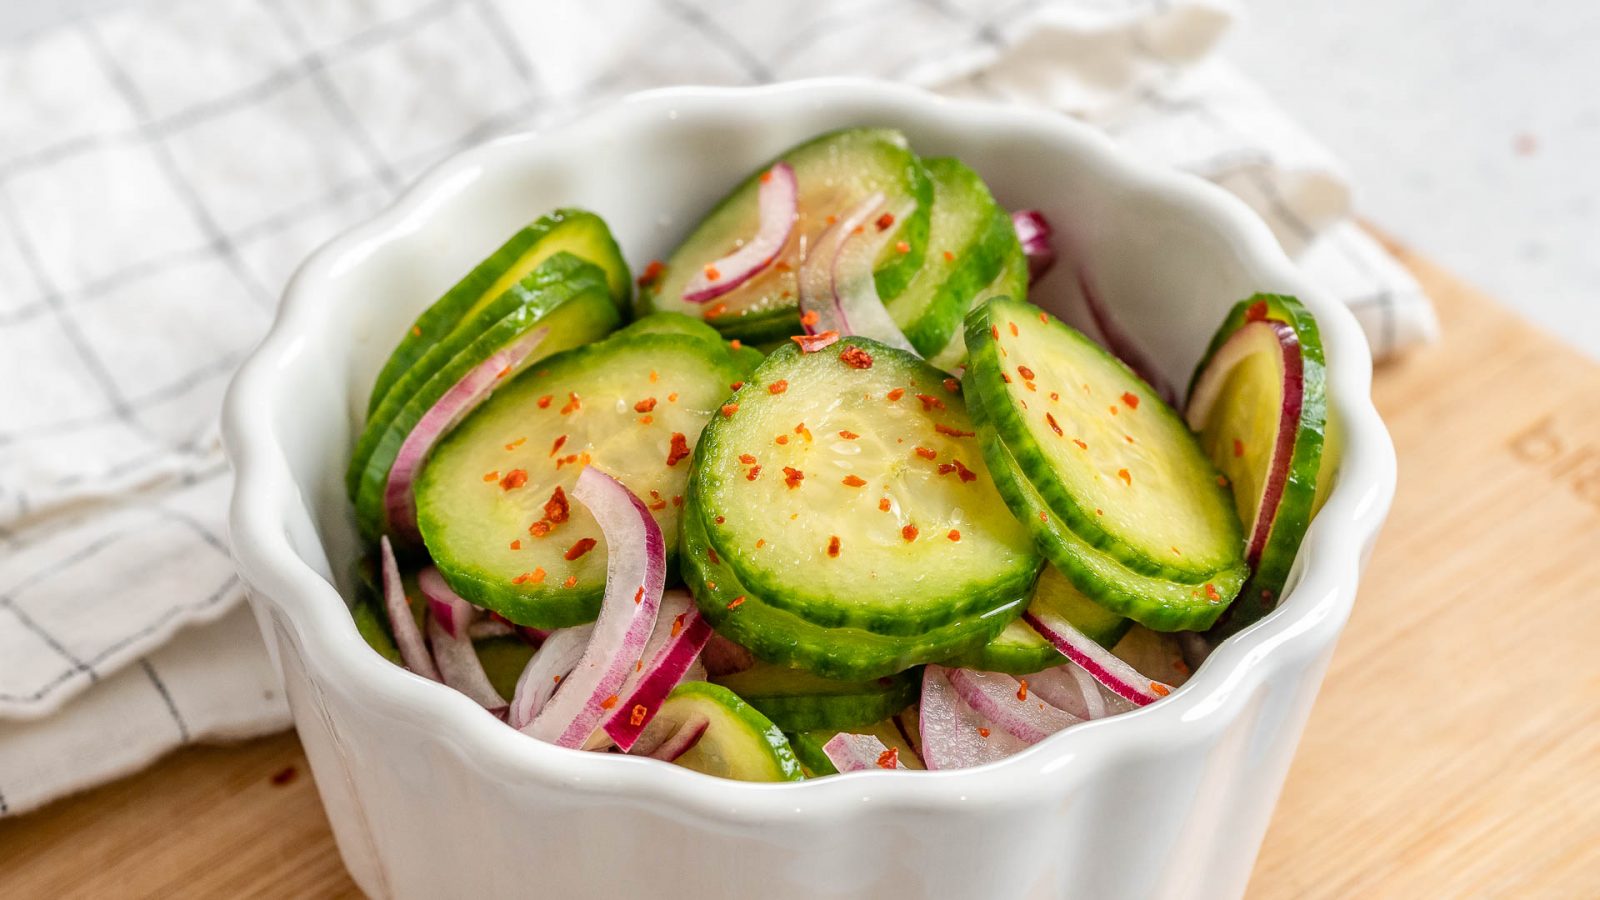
<point x="1455" y="749"/>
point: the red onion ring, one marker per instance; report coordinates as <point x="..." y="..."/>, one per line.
<point x="858" y="753"/>
<point x="1123" y="680"/>
<point x="1004" y="701"/>
<point x="778" y="198"/>
<point x="449" y="634"/>
<point x="553" y="661"/>
<point x="1033" y="232"/>
<point x="679" y="636"/>
<point x="836" y="280"/>
<point x="413" y="651"/>
<point x="954" y="736"/>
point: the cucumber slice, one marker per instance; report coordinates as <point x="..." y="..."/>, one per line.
<point x="808" y="745"/>
<point x="574" y="231"/>
<point x="817" y="497"/>
<point x="1258" y="400"/>
<point x="969" y="238"/>
<point x="1156" y="603"/>
<point x="799" y="701"/>
<point x="780" y="637"/>
<point x="738" y="743"/>
<point x="1112" y="461"/>
<point x="564" y="294"/>
<point x="836" y="171"/>
<point x="641" y="400"/>
<point x="674" y="323"/>
<point x="1011" y="282"/>
<point x="1019" y="650"/>
<point x="503" y="660"/>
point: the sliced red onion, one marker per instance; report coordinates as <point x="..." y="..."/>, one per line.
<point x="449" y="625"/>
<point x="464" y="396"/>
<point x="680" y="634"/>
<point x="954" y="735"/>
<point x="1069" y="687"/>
<point x="859" y="752"/>
<point x="413" y="651"/>
<point x="489" y="628"/>
<point x="778" y="198"/>
<point x="836" y="281"/>
<point x="1121" y="344"/>
<point x="682" y="739"/>
<point x="636" y="567"/>
<point x="1123" y="679"/>
<point x="1033" y="232"/>
<point x="554" y="660"/>
<point x="723" y="657"/>
<point x="1004" y="701"/>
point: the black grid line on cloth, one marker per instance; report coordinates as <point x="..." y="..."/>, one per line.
<point x="500" y="33"/>
<point x="196" y="526"/>
<point x="982" y="31"/>
<point x="52" y="297"/>
<point x="753" y="67"/>
<point x="166" y="697"/>
<point x="316" y="71"/>
<point x="174" y="172"/>
<point x="218" y="596"/>
<point x="50" y="641"/>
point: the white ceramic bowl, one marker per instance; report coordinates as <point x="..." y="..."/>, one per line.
<point x="430" y="796"/>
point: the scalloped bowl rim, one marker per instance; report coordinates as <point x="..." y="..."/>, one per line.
<point x="1306" y="622"/>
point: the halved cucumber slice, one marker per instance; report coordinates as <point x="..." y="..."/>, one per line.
<point x="969" y="240"/>
<point x="565" y="296"/>
<point x="1011" y="282"/>
<point x="781" y="637"/>
<point x="503" y="660"/>
<point x="797" y="700"/>
<point x="574" y="231"/>
<point x="1113" y="461"/>
<point x="1156" y="603"/>
<point x="835" y="171"/>
<point x="1259" y="403"/>
<point x="843" y="486"/>
<point x="808" y="745"/>
<point x="492" y="501"/>
<point x="1019" y="650"/>
<point x="738" y="742"/>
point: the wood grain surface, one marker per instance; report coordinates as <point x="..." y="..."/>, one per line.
<point x="1455" y="750"/>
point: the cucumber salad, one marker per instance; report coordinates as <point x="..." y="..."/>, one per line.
<point x="821" y="490"/>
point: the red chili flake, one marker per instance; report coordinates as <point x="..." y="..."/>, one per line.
<point x="735" y="385"/>
<point x="1098" y="511"/>
<point x="659" y="504"/>
<point x="761" y="542"/>
<point x="637" y="714"/>
<point x="1030" y="386"/>
<point x="679" y="448"/>
<point x="1044" y="318"/>
<point x="946" y="468"/>
<point x="677" y="499"/>
<point x="491" y="476"/>
<point x="849" y="435"/>
<point x="983" y="732"/>
<point x="954" y="535"/>
<point x="885" y="220"/>
<point x="953" y="432"/>
<point x="811" y="343"/>
<point x="832" y="219"/>
<point x="416" y="331"/>
<point x="572" y="581"/>
<point x="909" y="532"/>
<point x="514" y="479"/>
<point x="792" y="477"/>
<point x="573" y="403"/>
<point x="803" y="431"/>
<point x="782" y="439"/>
<point x="1128" y="438"/>
<point x="778" y="387"/>
<point x="286" y="774"/>
<point x="717" y="310"/>
<point x="516" y="443"/>
<point x="1081" y="444"/>
<point x="609" y="702"/>
<point x="652" y="273"/>
<point x="782" y="265"/>
<point x="902" y="246"/>
<point x="1256" y="311"/>
<point x="994" y="331"/>
<point x="753" y="474"/>
<point x="883" y="504"/>
<point x="1013" y="328"/>
<point x="1125" y="476"/>
<point x="728" y="409"/>
<point x="544" y="402"/>
<point x="516" y="544"/>
<point x="1113" y="410"/>
<point x="747" y="459"/>
<point x="833" y="546"/>
<point x="858" y="229"/>
<point x="646" y="420"/>
<point x="556" y="447"/>
<point x="889" y="759"/>
<point x="654" y="377"/>
<point x="719" y="520"/>
<point x="1006" y="378"/>
<point x="736" y="602"/>
<point x="677" y="624"/>
<point x="1238" y="447"/>
<point x="645" y="405"/>
<point x="1211" y="592"/>
<point x="736" y="344"/>
<point x="855" y="357"/>
<point x="1131" y="399"/>
<point x="1025" y="372"/>
<point x="952" y="385"/>
<point x="504" y="371"/>
<point x="853" y="481"/>
<point x="925" y="453"/>
<point x="534" y="577"/>
<point x="895" y="394"/>
<point x="930" y="402"/>
<point x="584" y="545"/>
<point x="540" y="528"/>
<point x="1222" y="480"/>
<point x="1054" y="396"/>
<point x="1043" y="517"/>
<point x="711" y="273"/>
<point x="1054" y="426"/>
<point x="557" y="508"/>
<point x="1022" y="689"/>
<point x="964" y="473"/>
<point x="948" y="256"/>
<point x="809" y="318"/>
<point x="1159" y="689"/>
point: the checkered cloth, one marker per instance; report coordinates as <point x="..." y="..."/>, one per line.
<point x="164" y="167"/>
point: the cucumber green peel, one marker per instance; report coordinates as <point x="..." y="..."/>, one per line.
<point x="739" y="742"/>
<point x="797" y="700"/>
<point x="1019" y="650"/>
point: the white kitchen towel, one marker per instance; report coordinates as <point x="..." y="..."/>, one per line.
<point x="165" y="166"/>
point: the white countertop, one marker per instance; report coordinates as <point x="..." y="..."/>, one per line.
<point x="1471" y="129"/>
